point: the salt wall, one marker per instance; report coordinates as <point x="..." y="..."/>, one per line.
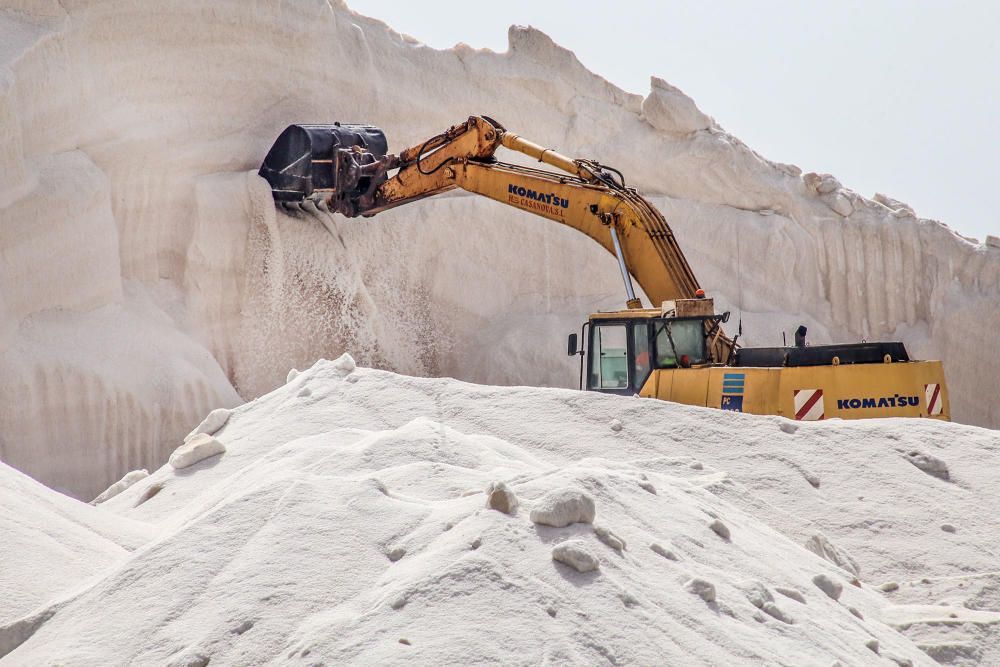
<point x="146" y="277"/>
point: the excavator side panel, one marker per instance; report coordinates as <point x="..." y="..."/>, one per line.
<point x="690" y="386"/>
<point x="811" y="393"/>
<point x="860" y="391"/>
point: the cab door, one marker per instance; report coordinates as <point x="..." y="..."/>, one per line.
<point x="609" y="370"/>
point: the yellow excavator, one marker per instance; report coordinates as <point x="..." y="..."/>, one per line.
<point x="676" y="350"/>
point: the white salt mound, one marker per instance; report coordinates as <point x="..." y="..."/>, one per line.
<point x="50" y="543"/>
<point x="368" y="497"/>
<point x="198" y="448"/>
<point x="562" y="507"/>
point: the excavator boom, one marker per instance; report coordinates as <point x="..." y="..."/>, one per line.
<point x="347" y="170"/>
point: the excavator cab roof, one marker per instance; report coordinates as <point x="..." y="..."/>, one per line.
<point x="634" y="313"/>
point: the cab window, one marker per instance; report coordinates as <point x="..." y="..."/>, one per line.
<point x="640" y="348"/>
<point x="609" y="363"/>
<point x="689" y="339"/>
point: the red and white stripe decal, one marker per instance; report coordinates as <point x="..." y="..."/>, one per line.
<point x="809" y="404"/>
<point x="932" y="396"/>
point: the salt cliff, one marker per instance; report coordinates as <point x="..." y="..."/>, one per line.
<point x="146" y="277"/>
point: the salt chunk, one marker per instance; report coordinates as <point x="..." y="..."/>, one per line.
<point x="839" y="204"/>
<point x="829" y="586"/>
<point x="720" y="529"/>
<point x="663" y="551"/>
<point x="825" y="549"/>
<point x="609" y="538"/>
<point x="344" y="364"/>
<point x="292" y="374"/>
<point x="668" y="109"/>
<point x="500" y="498"/>
<point x="575" y="554"/>
<point x="190" y="660"/>
<point x="775" y="612"/>
<point x="757" y="594"/>
<point x="788" y="427"/>
<point x="128" y="480"/>
<point x="702" y="588"/>
<point x="821" y="184"/>
<point x="791" y="593"/>
<point x="893" y="204"/>
<point x="562" y="507"/>
<point x="929" y="463"/>
<point x="198" y="448"/>
<point x="211" y="424"/>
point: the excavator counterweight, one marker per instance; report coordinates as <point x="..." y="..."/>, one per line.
<point x="676" y="350"/>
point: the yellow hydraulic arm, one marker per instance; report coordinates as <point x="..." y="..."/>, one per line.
<point x="346" y="168"/>
<point x="588" y="198"/>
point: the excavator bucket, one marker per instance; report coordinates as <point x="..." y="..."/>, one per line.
<point x="327" y="159"/>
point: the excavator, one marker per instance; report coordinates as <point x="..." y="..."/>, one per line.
<point x="675" y="350"/>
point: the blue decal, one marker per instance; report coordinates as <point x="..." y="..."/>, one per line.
<point x="734" y="403"/>
<point x="732" y="385"/>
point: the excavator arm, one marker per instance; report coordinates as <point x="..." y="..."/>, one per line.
<point x="350" y="174"/>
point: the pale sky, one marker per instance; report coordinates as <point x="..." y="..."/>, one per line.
<point x="894" y="96"/>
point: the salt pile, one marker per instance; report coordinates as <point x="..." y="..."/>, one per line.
<point x="147" y="278"/>
<point x="350" y="523"/>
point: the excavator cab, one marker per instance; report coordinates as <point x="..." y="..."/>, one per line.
<point x="626" y="347"/>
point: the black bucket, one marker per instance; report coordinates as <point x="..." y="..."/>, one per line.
<point x="303" y="158"/>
